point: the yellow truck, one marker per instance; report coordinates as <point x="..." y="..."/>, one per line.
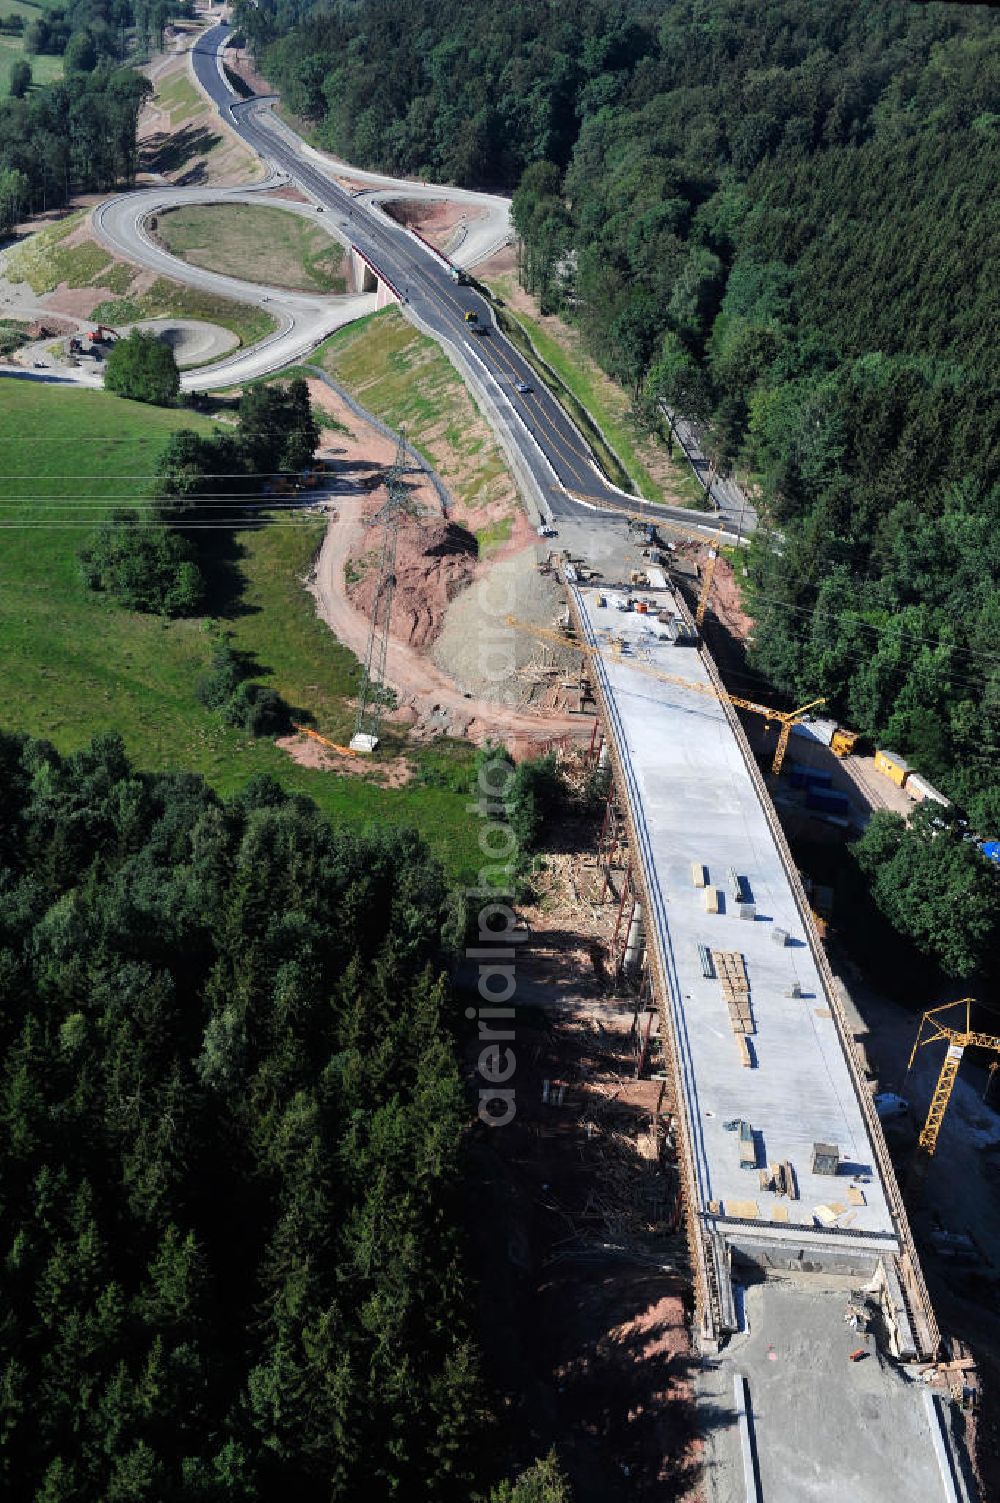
<point x="843" y="742"/>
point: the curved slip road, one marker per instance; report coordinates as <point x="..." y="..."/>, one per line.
<point x="489" y="227"/>
<point x="303" y="319"/>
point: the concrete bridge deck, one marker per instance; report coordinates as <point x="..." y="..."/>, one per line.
<point x="695" y="801"/>
<point x="694" y="805"/>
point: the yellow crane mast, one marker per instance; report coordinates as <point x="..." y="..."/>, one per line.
<point x="934" y="1030"/>
<point x="706" y="586"/>
<point x="785" y="718"/>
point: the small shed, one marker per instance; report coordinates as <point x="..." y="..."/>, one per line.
<point x="923" y="791"/>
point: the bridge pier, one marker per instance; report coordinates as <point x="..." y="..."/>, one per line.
<point x="635" y="944"/>
<point x="368" y="278"/>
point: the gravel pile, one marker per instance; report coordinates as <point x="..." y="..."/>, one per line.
<point x="486" y="656"/>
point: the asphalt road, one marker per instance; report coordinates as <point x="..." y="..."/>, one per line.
<point x="549" y="446"/>
<point x="732" y="504"/>
<point x="303" y="319"/>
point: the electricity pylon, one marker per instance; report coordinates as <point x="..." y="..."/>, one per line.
<point x="373" y="696"/>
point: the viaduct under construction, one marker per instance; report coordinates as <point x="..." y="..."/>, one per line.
<point x="785" y="1174"/>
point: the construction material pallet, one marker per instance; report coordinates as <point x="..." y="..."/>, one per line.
<point x="730" y="967"/>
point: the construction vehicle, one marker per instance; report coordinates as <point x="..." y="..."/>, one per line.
<point x="304" y="730"/>
<point x="103" y="335"/>
<point x="843" y="742"/>
<point x="933" y="1029"/>
<point x="786" y="719"/>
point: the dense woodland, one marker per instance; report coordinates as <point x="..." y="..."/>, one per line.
<point x="231" y="1157"/>
<point x="78" y="135"/>
<point x="778" y="218"/>
<point x="231" y="1120"/>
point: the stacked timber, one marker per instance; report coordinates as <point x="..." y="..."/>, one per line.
<point x="731" y="969"/>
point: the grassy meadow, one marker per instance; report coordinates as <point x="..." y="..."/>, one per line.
<point x="73" y="663"/>
<point x="405" y="379"/>
<point x="274" y="247"/>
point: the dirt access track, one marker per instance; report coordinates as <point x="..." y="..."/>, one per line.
<point x="429" y="702"/>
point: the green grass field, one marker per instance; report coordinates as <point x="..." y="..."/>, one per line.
<point x="44" y="69"/>
<point x="179" y="98"/>
<point x="405" y="379"/>
<point x="258" y="244"/>
<point x="44" y="261"/>
<point x="73" y="664"/>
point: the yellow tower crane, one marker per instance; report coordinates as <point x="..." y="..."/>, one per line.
<point x="934" y="1030"/>
<point x="785" y="718"/>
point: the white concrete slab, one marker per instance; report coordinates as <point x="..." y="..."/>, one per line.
<point x="693" y="800"/>
<point x="824" y="1429"/>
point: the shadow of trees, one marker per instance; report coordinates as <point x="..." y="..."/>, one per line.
<point x="170" y="151"/>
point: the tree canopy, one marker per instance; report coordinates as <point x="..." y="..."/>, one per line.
<point x="934" y="887"/>
<point x="151" y="561"/>
<point x="143" y="368"/>
<point x="79" y="134"/>
<point x="231" y="1124"/>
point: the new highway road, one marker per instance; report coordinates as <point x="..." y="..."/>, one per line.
<point x="549" y="447"/>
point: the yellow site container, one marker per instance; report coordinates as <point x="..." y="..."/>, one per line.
<point x="896" y="769"/>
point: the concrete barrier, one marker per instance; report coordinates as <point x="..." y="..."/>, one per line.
<point x="741" y="1395"/>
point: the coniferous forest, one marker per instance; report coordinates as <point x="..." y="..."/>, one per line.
<point x="228" y="1163"/>
<point x="778" y="218"/>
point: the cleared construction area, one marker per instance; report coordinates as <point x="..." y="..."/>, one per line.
<point x="788" y="1184"/>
